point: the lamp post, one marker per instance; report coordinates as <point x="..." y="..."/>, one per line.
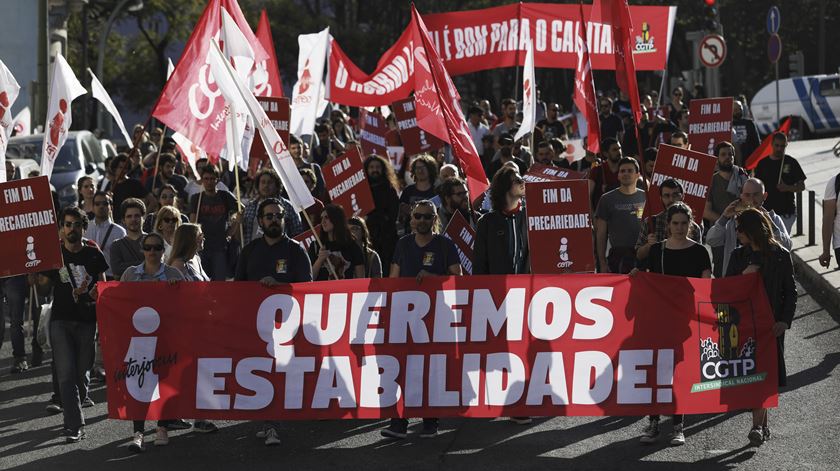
<point x="135" y="5"/>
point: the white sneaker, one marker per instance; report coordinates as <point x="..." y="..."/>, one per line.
<point x="136" y="444"/>
<point x="677" y="436"/>
<point x="262" y="431"/>
<point x="161" y="437"/>
<point x="271" y="437"/>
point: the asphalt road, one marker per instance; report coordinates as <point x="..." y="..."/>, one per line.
<point x="805" y="431"/>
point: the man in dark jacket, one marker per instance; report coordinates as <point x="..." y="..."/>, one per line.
<point x="382" y="221"/>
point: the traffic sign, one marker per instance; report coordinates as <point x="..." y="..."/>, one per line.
<point x="774" y="48"/>
<point x="774" y="19"/>
<point x="712" y="50"/>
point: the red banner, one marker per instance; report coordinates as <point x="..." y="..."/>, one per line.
<point x="273" y="83"/>
<point x="460" y="232"/>
<point x="491" y="38"/>
<point x="488" y="346"/>
<point x="347" y="185"/>
<point x="277" y="110"/>
<point x="560" y="227"/>
<point x="28" y="227"/>
<point x="709" y="122"/>
<point x="415" y="140"/>
<point x="544" y="173"/>
<point x="307" y="237"/>
<point x="372" y="133"/>
<point x="692" y="169"/>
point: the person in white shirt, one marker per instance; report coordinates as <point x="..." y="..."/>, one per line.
<point x="831" y="222"/>
<point x="477" y="128"/>
<point x="103" y="230"/>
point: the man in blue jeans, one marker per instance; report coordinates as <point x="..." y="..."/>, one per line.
<point x="73" y="321"/>
<point x="13" y="291"/>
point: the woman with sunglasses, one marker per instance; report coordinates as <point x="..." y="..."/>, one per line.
<point x="167" y="220"/>
<point x="677" y="104"/>
<point x="168" y="197"/>
<point x="186" y="244"/>
<point x="86" y="190"/>
<point x="339" y="248"/>
<point x="760" y="251"/>
<point x="373" y="264"/>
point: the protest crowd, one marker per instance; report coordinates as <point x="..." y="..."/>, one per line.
<point x="160" y="212"/>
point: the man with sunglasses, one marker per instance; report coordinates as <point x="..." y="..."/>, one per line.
<point x="654" y="229"/>
<point x="454" y="196"/>
<point x="272" y="259"/>
<point x="73" y="322"/>
<point x="104" y="231"/>
<point x="418" y="255"/>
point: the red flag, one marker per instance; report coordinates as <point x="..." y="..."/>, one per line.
<point x="438" y="107"/>
<point x="191" y="103"/>
<point x="585" y="89"/>
<point x="765" y="148"/>
<point x="617" y="14"/>
<point x="274" y="85"/>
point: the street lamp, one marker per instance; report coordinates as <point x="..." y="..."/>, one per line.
<point x="132" y="6"/>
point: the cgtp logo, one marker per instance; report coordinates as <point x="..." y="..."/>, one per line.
<point x="727" y="351"/>
<point x="564" y="254"/>
<point x="30" y="253"/>
<point x="644" y="43"/>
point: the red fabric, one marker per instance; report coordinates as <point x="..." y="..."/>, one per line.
<point x="438" y="108"/>
<point x="191" y="103"/>
<point x="275" y="81"/>
<point x="347" y="185"/>
<point x="585" y="98"/>
<point x="618" y="15"/>
<point x="28" y="225"/>
<point x="709" y="123"/>
<point x="766" y="147"/>
<point x="694" y="171"/>
<point x="563" y="345"/>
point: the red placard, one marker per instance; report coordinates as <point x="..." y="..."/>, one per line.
<point x="474" y="346"/>
<point x="560" y="227"/>
<point x="692" y="169"/>
<point x="347" y="185"/>
<point x="462" y="234"/>
<point x="709" y="122"/>
<point x="414" y="140"/>
<point x="372" y="133"/>
<point x="277" y="109"/>
<point x="28" y="228"/>
<point x="307" y="237"/>
<point x="544" y="173"/>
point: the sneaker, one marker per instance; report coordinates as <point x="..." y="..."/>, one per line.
<point x="20" y="366"/>
<point x="205" y="426"/>
<point x="521" y="420"/>
<point x="765" y="433"/>
<point x="54" y="408"/>
<point x="430" y="429"/>
<point x="72" y="436"/>
<point x="136" y="444"/>
<point x="397" y="430"/>
<point x="261" y="433"/>
<point x="271" y="437"/>
<point x="87" y="403"/>
<point x="651" y="432"/>
<point x="756" y="436"/>
<point x="178" y="424"/>
<point x="161" y="437"/>
<point x="677" y="436"/>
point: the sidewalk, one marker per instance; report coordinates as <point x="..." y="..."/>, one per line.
<point x="819" y="164"/>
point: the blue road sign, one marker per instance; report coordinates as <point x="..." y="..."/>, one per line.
<point x="774" y="19"/>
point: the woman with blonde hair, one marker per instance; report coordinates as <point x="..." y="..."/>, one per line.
<point x="167" y="220"/>
<point x="187" y="243"/>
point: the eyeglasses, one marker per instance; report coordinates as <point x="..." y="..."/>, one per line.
<point x="170" y="220"/>
<point x="459" y="193"/>
<point x="273" y="216"/>
<point x="101" y="203"/>
<point x="77" y="224"/>
<point x="152" y="248"/>
<point x="427" y="217"/>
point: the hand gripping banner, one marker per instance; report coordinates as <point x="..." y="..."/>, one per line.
<point x="477" y="346"/>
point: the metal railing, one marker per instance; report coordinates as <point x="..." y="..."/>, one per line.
<point x="812" y="214"/>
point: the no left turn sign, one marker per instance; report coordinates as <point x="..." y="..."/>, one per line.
<point x="712" y="50"/>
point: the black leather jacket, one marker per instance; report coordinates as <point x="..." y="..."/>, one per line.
<point x="777" y="273"/>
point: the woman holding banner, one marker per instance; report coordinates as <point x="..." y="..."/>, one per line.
<point x="760" y="251"/>
<point x="679" y="256"/>
<point x="186" y="244"/>
<point x="339" y="248"/>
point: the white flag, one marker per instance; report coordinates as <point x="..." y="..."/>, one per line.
<point x="234" y="90"/>
<point x="99" y="92"/>
<point x="23" y="122"/>
<point x="170" y="67"/>
<point x="529" y="94"/>
<point x="9" y="90"/>
<point x="309" y="89"/>
<point x="190" y="151"/>
<point x="239" y="52"/>
<point x="64" y="89"/>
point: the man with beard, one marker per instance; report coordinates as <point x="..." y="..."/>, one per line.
<point x="382" y="221"/>
<point x="744" y="133"/>
<point x="545" y="155"/>
<point x="454" y="196"/>
<point x="124" y="187"/>
<point x="605" y="176"/>
<point x="508" y="119"/>
<point x="550" y="127"/>
<point x="611" y="124"/>
<point x="617" y="219"/>
<point x="73" y="323"/>
<point x="104" y="231"/>
<point x="272" y="259"/>
<point x="418" y="255"/>
<point x="783" y="176"/>
<point x="268" y="186"/>
<point x="126" y="252"/>
<point x="725" y="188"/>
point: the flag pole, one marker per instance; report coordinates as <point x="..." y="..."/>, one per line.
<point x="157" y="158"/>
<point x="239" y="204"/>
